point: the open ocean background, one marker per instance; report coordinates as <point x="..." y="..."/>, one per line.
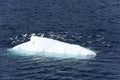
<point x="93" y="24"/>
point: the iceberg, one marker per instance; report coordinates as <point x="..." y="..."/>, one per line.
<point x="51" y="46"/>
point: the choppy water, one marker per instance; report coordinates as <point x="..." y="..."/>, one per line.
<point x="92" y="24"/>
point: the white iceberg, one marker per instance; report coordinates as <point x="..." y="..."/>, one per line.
<point x="51" y="46"/>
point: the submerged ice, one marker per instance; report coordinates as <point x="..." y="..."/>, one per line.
<point x="54" y="47"/>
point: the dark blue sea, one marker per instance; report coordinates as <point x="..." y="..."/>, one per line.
<point x="93" y="24"/>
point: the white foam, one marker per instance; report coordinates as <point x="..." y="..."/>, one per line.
<point x="54" y="47"/>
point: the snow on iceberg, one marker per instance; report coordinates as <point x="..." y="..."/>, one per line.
<point x="46" y="45"/>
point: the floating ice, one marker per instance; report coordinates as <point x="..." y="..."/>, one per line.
<point x="53" y="47"/>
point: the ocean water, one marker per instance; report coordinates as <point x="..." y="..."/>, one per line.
<point x="92" y="24"/>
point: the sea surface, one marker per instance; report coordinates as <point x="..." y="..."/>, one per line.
<point x="93" y="24"/>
